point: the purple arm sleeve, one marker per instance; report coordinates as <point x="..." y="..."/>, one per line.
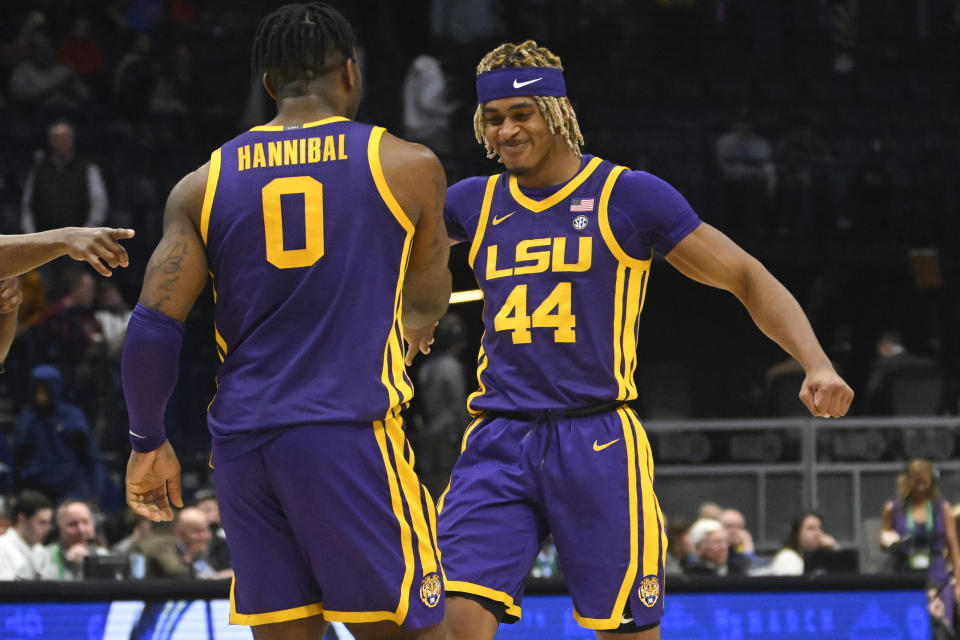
<point x="149" y="368"/>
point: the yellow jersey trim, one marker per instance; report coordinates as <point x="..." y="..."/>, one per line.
<point x="406" y="537"/>
<point x="651" y="514"/>
<point x="213" y="176"/>
<point x="618" y="365"/>
<point x="484" y="215"/>
<point x="607" y="233"/>
<point x="542" y="205"/>
<point x="613" y="621"/>
<point x="221" y="344"/>
<point x="270" y="617"/>
<point x="350" y="617"/>
<point x="280" y="127"/>
<point x="373" y="157"/>
<point x="482" y="362"/>
<point x="432" y="515"/>
<point x="636" y="279"/>
<point x="486" y="592"/>
<point x="411" y="492"/>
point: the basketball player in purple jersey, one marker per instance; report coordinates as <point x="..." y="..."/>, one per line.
<point x="561" y="244"/>
<point x="320" y="234"/>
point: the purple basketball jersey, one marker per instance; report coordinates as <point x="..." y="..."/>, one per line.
<point x="561" y="297"/>
<point x="307" y="248"/>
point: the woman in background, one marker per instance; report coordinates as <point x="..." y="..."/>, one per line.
<point x="806" y="535"/>
<point x="919" y="529"/>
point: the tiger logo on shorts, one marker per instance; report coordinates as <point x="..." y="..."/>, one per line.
<point x="430" y="589"/>
<point x="649" y="590"/>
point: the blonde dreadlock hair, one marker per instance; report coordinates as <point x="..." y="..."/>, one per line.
<point x="557" y="112"/>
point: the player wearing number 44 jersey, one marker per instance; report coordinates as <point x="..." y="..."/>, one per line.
<point x="561" y="244"/>
<point x="320" y="234"/>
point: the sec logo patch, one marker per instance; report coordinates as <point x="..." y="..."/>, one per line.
<point x="580" y="223"/>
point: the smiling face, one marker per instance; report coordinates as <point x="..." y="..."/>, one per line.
<point x="519" y="134"/>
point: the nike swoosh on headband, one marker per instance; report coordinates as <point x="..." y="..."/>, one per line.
<point x="517" y="84"/>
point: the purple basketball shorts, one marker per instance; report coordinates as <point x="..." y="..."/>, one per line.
<point x="330" y="520"/>
<point x="588" y="481"/>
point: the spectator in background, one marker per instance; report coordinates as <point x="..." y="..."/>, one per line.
<point x="712" y="550"/>
<point x="806" y="535"/>
<point x="140" y="529"/>
<point x="22" y="556"/>
<point x="112" y="315"/>
<point x="426" y="107"/>
<point x="442" y="388"/>
<point x="5" y="520"/>
<point x="679" y="552"/>
<point x="803" y="170"/>
<point x="39" y="81"/>
<point x="709" y="511"/>
<point x="133" y="79"/>
<point x="76" y="539"/>
<point x="749" y="177"/>
<point x="919" y="531"/>
<point x="53" y="449"/>
<point x="15" y="51"/>
<point x="63" y="189"/>
<point x="741" y="551"/>
<point x="81" y="52"/>
<point x="219" y="554"/>
<point x="893" y="360"/>
<point x="68" y="338"/>
<point x="870" y="197"/>
<point x="184" y="554"/>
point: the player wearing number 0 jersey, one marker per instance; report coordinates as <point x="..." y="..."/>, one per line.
<point x="561" y="245"/>
<point x="321" y="235"/>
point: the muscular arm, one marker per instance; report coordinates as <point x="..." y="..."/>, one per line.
<point x="177" y="270"/>
<point x="176" y="274"/>
<point x="19" y="254"/>
<point x="417" y="180"/>
<point x="708" y="256"/>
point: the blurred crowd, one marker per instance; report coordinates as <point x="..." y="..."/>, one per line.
<point x="823" y="140"/>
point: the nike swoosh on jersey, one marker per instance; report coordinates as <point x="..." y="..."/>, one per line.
<point x="137" y="435"/>
<point x="626" y="620"/>
<point x="601" y="447"/>
<point x="497" y="220"/>
<point x="517" y="84"/>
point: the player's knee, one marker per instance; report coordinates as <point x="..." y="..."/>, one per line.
<point x="390" y="631"/>
<point x="467" y="619"/>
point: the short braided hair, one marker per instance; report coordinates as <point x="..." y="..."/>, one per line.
<point x="558" y="113"/>
<point x="299" y="42"/>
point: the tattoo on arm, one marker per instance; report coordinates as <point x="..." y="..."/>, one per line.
<point x="163" y="273"/>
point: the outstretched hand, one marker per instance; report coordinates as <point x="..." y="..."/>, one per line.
<point x="825" y="394"/>
<point x="153" y="483"/>
<point x="418" y="340"/>
<point x="97" y="246"/>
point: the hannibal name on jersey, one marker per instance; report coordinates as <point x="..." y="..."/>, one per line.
<point x="296" y="221"/>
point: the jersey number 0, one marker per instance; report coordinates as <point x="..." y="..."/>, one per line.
<point x="312" y="192"/>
